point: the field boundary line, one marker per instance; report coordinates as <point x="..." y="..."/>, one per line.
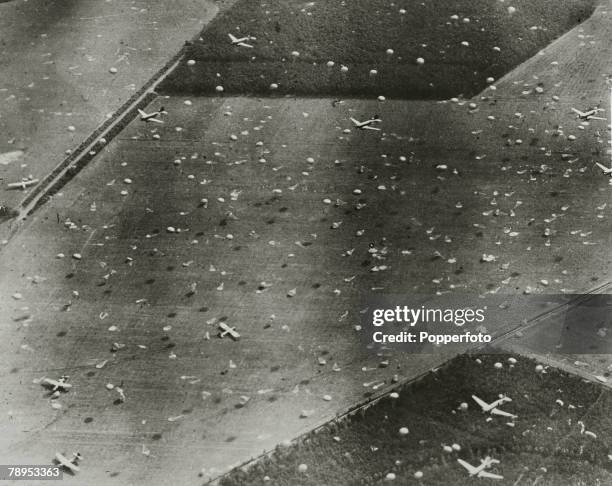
<point x="601" y="5"/>
<point x="373" y="400"/>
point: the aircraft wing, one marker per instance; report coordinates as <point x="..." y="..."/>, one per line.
<point x="497" y="411"/>
<point x="471" y="469"/>
<point x="56" y="384"/>
<point x="484" y="405"/>
<point x="367" y="127"/>
<point x="607" y="170"/>
<point x="65" y="462"/>
<point x="234" y="39"/>
<point x="355" y="122"/>
<point x="141" y="113"/>
<point x="501" y="401"/>
<point x="244" y="44"/>
<point x="597" y="118"/>
<point x="156" y="120"/>
<point x="223" y="326"/>
<point x="485" y="474"/>
<point x="580" y="113"/>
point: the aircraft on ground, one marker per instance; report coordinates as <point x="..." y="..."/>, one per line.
<point x="480" y="470"/>
<point x="152" y="117"/>
<point x="241" y="41"/>
<point x="492" y="407"/>
<point x="227" y="330"/>
<point x="57" y="385"/>
<point x="367" y="124"/>
<point x="71" y="464"/>
<point x="590" y="114"/>
<point x="606" y="170"/>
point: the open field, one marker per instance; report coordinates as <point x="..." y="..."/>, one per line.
<point x="157" y="269"/>
<point x="574" y="338"/>
<point x="547" y="443"/>
<point x="56" y="82"/>
<point x="295" y="40"/>
<point x="280" y="218"/>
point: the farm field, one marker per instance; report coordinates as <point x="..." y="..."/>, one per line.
<point x="164" y="238"/>
<point x="558" y="437"/>
<point x="278" y="217"/>
<point x="67" y="66"/>
<point x="378" y="44"/>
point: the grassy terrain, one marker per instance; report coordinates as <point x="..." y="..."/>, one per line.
<point x="545" y="442"/>
<point x="358" y="34"/>
<point x="7" y="213"/>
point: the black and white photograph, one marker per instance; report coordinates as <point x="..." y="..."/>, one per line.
<point x="310" y="243"/>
